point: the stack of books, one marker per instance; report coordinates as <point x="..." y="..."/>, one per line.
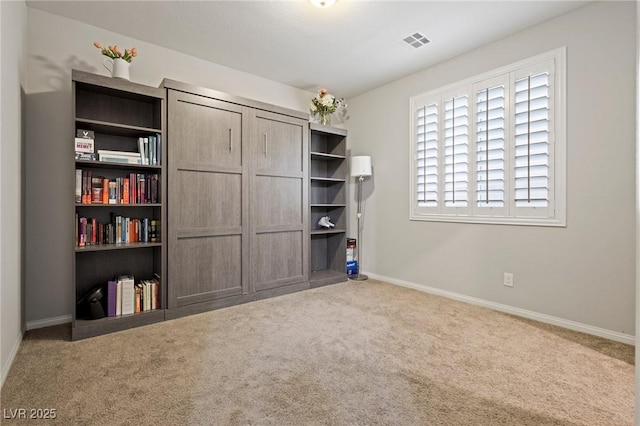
<point x="124" y="157"/>
<point x="85" y="145"/>
<point x="124" y="297"/>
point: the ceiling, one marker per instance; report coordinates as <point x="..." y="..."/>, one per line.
<point x="349" y="48"/>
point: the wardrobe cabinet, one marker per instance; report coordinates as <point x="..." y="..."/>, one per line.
<point x="237" y="197"/>
<point x="207" y="190"/>
<point x="279" y="194"/>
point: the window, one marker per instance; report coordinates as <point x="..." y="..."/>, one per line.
<point x="491" y="149"/>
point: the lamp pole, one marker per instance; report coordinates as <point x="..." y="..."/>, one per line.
<point x="360" y="277"/>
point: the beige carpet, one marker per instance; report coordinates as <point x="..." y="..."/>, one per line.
<point x="352" y="353"/>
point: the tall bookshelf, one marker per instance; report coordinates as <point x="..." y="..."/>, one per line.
<point x="118" y="112"/>
<point x="327" y="197"/>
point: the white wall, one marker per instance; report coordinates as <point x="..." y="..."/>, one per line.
<point x="55" y="46"/>
<point x="13" y="27"/>
<point x="582" y="273"/>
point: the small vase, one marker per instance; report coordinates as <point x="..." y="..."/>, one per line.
<point x="119" y="68"/>
<point x="325" y="119"/>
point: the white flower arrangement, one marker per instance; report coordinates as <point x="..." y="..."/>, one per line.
<point x="324" y="104"/>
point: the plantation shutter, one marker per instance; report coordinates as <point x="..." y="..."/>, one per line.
<point x="427" y="155"/>
<point x="456" y="146"/>
<point x="532" y="111"/>
<point x="490" y="147"/>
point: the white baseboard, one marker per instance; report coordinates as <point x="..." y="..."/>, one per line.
<point x="572" y="325"/>
<point x="48" y="322"/>
<point x="7" y="367"/>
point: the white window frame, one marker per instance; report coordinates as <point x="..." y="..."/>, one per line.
<point x="552" y="215"/>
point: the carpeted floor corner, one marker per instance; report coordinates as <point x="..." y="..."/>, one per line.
<point x="353" y="353"/>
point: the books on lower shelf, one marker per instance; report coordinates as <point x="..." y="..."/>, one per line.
<point x="120" y="230"/>
<point x="134" y="188"/>
<point x="124" y="297"/>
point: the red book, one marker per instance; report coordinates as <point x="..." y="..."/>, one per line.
<point x="132" y="188"/>
<point x="93" y="230"/>
<point x="105" y="191"/>
<point x="125" y="191"/>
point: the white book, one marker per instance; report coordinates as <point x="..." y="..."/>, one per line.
<point x="119" y="298"/>
<point x="128" y="295"/>
<point x="119" y="153"/>
<point x="78" y="186"/>
<point x="154" y="295"/>
<point x="145" y="157"/>
<point x="148" y="299"/>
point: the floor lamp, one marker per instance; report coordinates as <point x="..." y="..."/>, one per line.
<point x="360" y="168"/>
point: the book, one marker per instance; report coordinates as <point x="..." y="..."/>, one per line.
<point x="85" y="134"/>
<point x="119" y="153"/>
<point x="152" y="150"/>
<point x="78" y="186"/>
<point x="111" y="298"/>
<point x="128" y="294"/>
<point x="86" y="156"/>
<point x="84" y="145"/>
<point x="159" y="149"/>
<point x="141" y="148"/>
<point x="118" y="297"/>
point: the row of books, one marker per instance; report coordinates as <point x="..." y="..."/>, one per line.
<point x="149" y="150"/>
<point x="118" y="231"/>
<point x="136" y="188"/>
<point x="124" y="297"/>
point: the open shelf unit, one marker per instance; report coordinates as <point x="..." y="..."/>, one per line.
<point x="327" y="197"/>
<point x="118" y="112"/>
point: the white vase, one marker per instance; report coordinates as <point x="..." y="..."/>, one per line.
<point x="119" y="68"/>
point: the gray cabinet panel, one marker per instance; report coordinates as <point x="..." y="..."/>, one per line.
<point x="204" y="268"/>
<point x="279" y="184"/>
<point x="278" y="259"/>
<point x="278" y="201"/>
<point x="277" y="144"/>
<point x="206" y="131"/>
<point x="208" y="200"/>
<point x="208" y="243"/>
<point x="238" y="196"/>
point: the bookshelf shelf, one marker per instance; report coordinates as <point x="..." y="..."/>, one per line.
<point x="327" y="179"/>
<point x="119" y="205"/>
<point x="119" y="112"/>
<point x="88" y="328"/>
<point x="327" y="197"/>
<point x="121" y="246"/>
<point x="330" y="205"/>
<point x="324" y="156"/>
<point x="115" y="128"/>
<point x="328" y="231"/>
<point x="113" y="165"/>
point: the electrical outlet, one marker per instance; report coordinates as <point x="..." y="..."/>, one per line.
<point x="508" y="279"/>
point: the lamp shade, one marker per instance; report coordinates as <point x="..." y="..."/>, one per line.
<point x="360" y="166"/>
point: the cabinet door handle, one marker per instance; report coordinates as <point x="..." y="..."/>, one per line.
<point x="266" y="145"/>
<point x="230" y="141"/>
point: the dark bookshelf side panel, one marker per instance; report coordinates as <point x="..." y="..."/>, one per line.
<point x="117" y="107"/>
<point x="96" y="268"/>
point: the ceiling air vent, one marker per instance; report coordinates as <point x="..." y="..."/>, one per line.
<point x="416" y="40"/>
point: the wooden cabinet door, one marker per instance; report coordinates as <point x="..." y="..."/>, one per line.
<point x="208" y="244"/>
<point x="279" y="189"/>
